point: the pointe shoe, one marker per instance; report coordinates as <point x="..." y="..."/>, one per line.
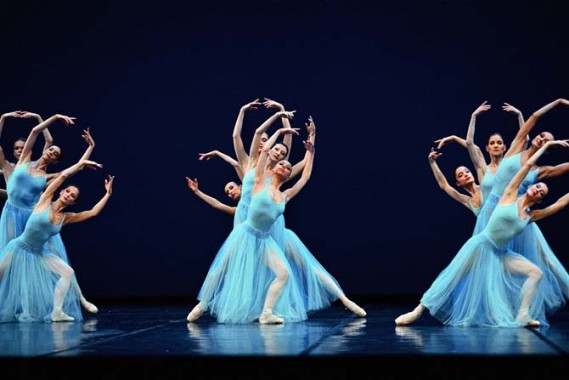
<point x="527" y="321"/>
<point x="270" y="319"/>
<point x="354" y="308"/>
<point x="88" y="306"/>
<point x="60" y="316"/>
<point x="195" y="314"/>
<point x="408" y="318"/>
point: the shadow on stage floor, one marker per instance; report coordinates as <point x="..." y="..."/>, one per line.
<point x="151" y="339"/>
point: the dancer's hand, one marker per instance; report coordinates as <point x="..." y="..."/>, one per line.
<point x="434" y="155"/>
<point x="109" y="184"/>
<point x="509" y="108"/>
<point x="255" y="104"/>
<point x="271" y="104"/>
<point x="91" y="164"/>
<point x="287" y="114"/>
<point x="310" y="126"/>
<point x="309" y="146"/>
<point x="207" y="156"/>
<point x="66" y="119"/>
<point x="482" y="108"/>
<point x="441" y="142"/>
<point x="192" y="184"/>
<point x="87" y="137"/>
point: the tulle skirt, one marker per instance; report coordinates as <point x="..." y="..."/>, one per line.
<point x="554" y="284"/>
<point x="476" y="288"/>
<point x="27" y="285"/>
<point x="238" y="280"/>
<point x="318" y="288"/>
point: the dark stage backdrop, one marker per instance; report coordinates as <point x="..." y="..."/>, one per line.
<point x="160" y="82"/>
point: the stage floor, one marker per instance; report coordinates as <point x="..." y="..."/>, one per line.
<point x="154" y="340"/>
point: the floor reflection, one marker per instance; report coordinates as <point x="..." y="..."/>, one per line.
<point x="256" y="339"/>
<point x="479" y="340"/>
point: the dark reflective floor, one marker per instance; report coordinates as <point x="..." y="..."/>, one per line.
<point x="153" y="340"/>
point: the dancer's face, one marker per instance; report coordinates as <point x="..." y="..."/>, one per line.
<point x="496" y="146"/>
<point x="537" y="192"/>
<point x="463" y="176"/>
<point x="233" y="191"/>
<point x="541" y="139"/>
<point x="52" y="154"/>
<point x="68" y="196"/>
<point x="283" y="168"/>
<point x="278" y="152"/>
<point x="18" y="148"/>
<point x="264" y="139"/>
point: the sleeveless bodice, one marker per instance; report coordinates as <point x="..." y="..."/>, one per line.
<point x="263" y="210"/>
<point x="507" y="170"/>
<point x="39" y="229"/>
<point x="504" y="224"/>
<point x="247" y="184"/>
<point x="23" y="188"/>
<point x="487" y="183"/>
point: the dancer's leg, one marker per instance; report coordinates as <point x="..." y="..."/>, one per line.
<point x="279" y="268"/>
<point x="524" y="267"/>
<point x="65" y="273"/>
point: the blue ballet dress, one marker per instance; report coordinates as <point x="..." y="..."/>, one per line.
<point x="237" y="282"/>
<point x="476" y="289"/>
<point x="530" y="242"/>
<point x="319" y="288"/>
<point x="23" y="191"/>
<point x="27" y="284"/>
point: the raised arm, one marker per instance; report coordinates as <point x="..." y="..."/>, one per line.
<point x="264" y="155"/>
<point x="46" y="134"/>
<point x="442" y="181"/>
<point x="72" y="217"/>
<point x="511" y="192"/>
<point x="521" y="137"/>
<point x="287" y="140"/>
<point x="311" y="129"/>
<point x="509" y="108"/>
<point x="230" y="160"/>
<point x="47" y="194"/>
<point x="306" y="172"/>
<point x="474" y="151"/>
<point x="254" y="154"/>
<point x="240" y="152"/>
<point x="30" y="141"/>
<point x="193" y="185"/>
<point x="91" y="145"/>
<point x="4" y="164"/>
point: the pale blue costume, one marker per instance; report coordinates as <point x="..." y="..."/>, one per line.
<point x="27" y="285"/>
<point x="24" y="190"/>
<point x="319" y="288"/>
<point x="237" y="282"/>
<point x="530" y="242"/>
<point x="476" y="289"/>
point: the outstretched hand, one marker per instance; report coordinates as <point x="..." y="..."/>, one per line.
<point x="287" y="114"/>
<point x="92" y="164"/>
<point x="441" y="142"/>
<point x="289" y="131"/>
<point x="509" y="108"/>
<point x="309" y="146"/>
<point x="87" y="137"/>
<point x="67" y="120"/>
<point x="192" y="184"/>
<point x="482" y="108"/>
<point x="206" y="156"/>
<point x="109" y="184"/>
<point x="255" y="104"/>
<point x="310" y="126"/>
<point x="434" y="155"/>
<point x="271" y="104"/>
